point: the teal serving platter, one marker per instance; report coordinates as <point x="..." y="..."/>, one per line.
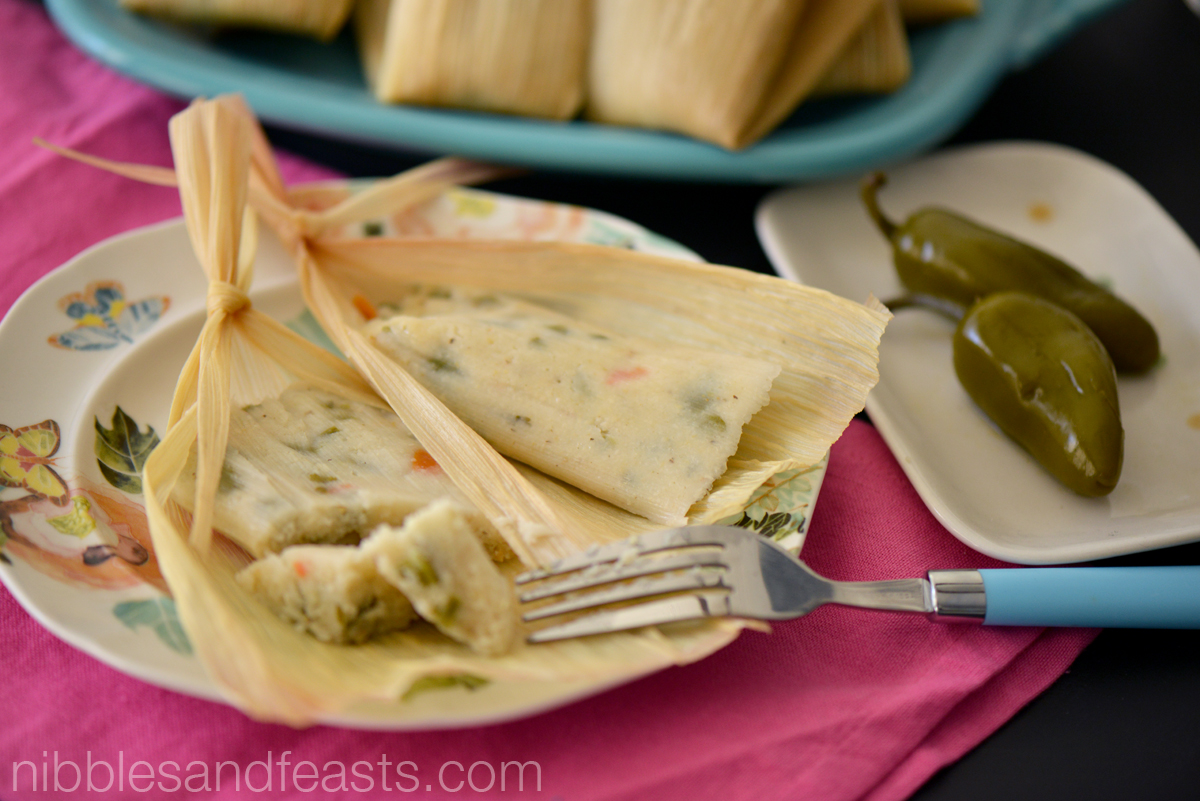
<point x="318" y="88"/>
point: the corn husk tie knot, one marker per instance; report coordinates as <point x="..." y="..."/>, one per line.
<point x="225" y="298"/>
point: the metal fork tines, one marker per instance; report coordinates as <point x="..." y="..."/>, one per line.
<point x="683" y="570"/>
<point x="690" y="573"/>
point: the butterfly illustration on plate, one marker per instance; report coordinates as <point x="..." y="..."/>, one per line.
<point x="104" y="318"/>
<point x="26" y="460"/>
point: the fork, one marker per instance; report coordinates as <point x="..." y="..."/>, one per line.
<point x="717" y="571"/>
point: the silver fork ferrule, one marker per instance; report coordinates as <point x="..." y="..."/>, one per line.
<point x="957" y="596"/>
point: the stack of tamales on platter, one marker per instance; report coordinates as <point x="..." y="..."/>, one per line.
<point x="299" y="622"/>
<point x="724" y="71"/>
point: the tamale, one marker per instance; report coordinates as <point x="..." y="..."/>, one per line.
<point x="313" y="466"/>
<point x="877" y="59"/>
<point x="321" y="19"/>
<point x="432" y="565"/>
<point x="646" y="427"/>
<point x="720" y="70"/>
<point x="678" y="303"/>
<point x="439" y="565"/>
<point x="700" y="67"/>
<point x="513" y="56"/>
<point x="822" y="32"/>
<point x="333" y="592"/>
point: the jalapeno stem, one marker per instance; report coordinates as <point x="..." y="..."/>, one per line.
<point x="869" y="191"/>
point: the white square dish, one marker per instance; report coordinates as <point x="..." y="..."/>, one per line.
<point x="984" y="488"/>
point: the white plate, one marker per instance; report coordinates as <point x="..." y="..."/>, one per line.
<point x="979" y="484"/>
<point x="128" y="356"/>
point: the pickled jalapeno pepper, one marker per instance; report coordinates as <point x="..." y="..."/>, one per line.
<point x="1046" y="380"/>
<point x="945" y="256"/>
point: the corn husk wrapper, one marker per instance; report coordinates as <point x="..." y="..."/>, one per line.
<point x="320" y="19"/>
<point x="512" y="56"/>
<point x="826" y="344"/>
<point x="720" y="70"/>
<point x="827" y="347"/>
<point x="876" y="60"/>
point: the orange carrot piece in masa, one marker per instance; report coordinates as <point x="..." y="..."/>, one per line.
<point x="621" y="376"/>
<point x="421" y="460"/>
<point x="365" y="307"/>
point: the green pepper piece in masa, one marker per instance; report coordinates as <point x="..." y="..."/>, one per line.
<point x="1048" y="383"/>
<point x="944" y="255"/>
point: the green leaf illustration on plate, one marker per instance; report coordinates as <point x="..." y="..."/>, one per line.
<point x="122" y="450"/>
<point x="159" y="614"/>
<point x="78" y="522"/>
<point x="427" y="683"/>
<point x="779" y="508"/>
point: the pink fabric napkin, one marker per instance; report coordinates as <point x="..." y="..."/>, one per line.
<point x="843" y="704"/>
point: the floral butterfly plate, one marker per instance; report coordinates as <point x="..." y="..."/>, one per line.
<point x="106" y="335"/>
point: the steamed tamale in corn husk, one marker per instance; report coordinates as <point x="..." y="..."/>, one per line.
<point x="823" y="346"/>
<point x="645" y="426"/>
<point x="720" y="70"/>
<point x="513" y="56"/>
<point x="321" y="19"/>
<point x="875" y="60"/>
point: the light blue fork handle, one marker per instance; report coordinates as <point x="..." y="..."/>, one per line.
<point x="1094" y="597"/>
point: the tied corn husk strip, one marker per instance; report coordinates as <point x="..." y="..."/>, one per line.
<point x="321" y="19"/>
<point x="265" y="667"/>
<point x="876" y="60"/>
<point x="720" y="70"/>
<point x="513" y="56"/>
